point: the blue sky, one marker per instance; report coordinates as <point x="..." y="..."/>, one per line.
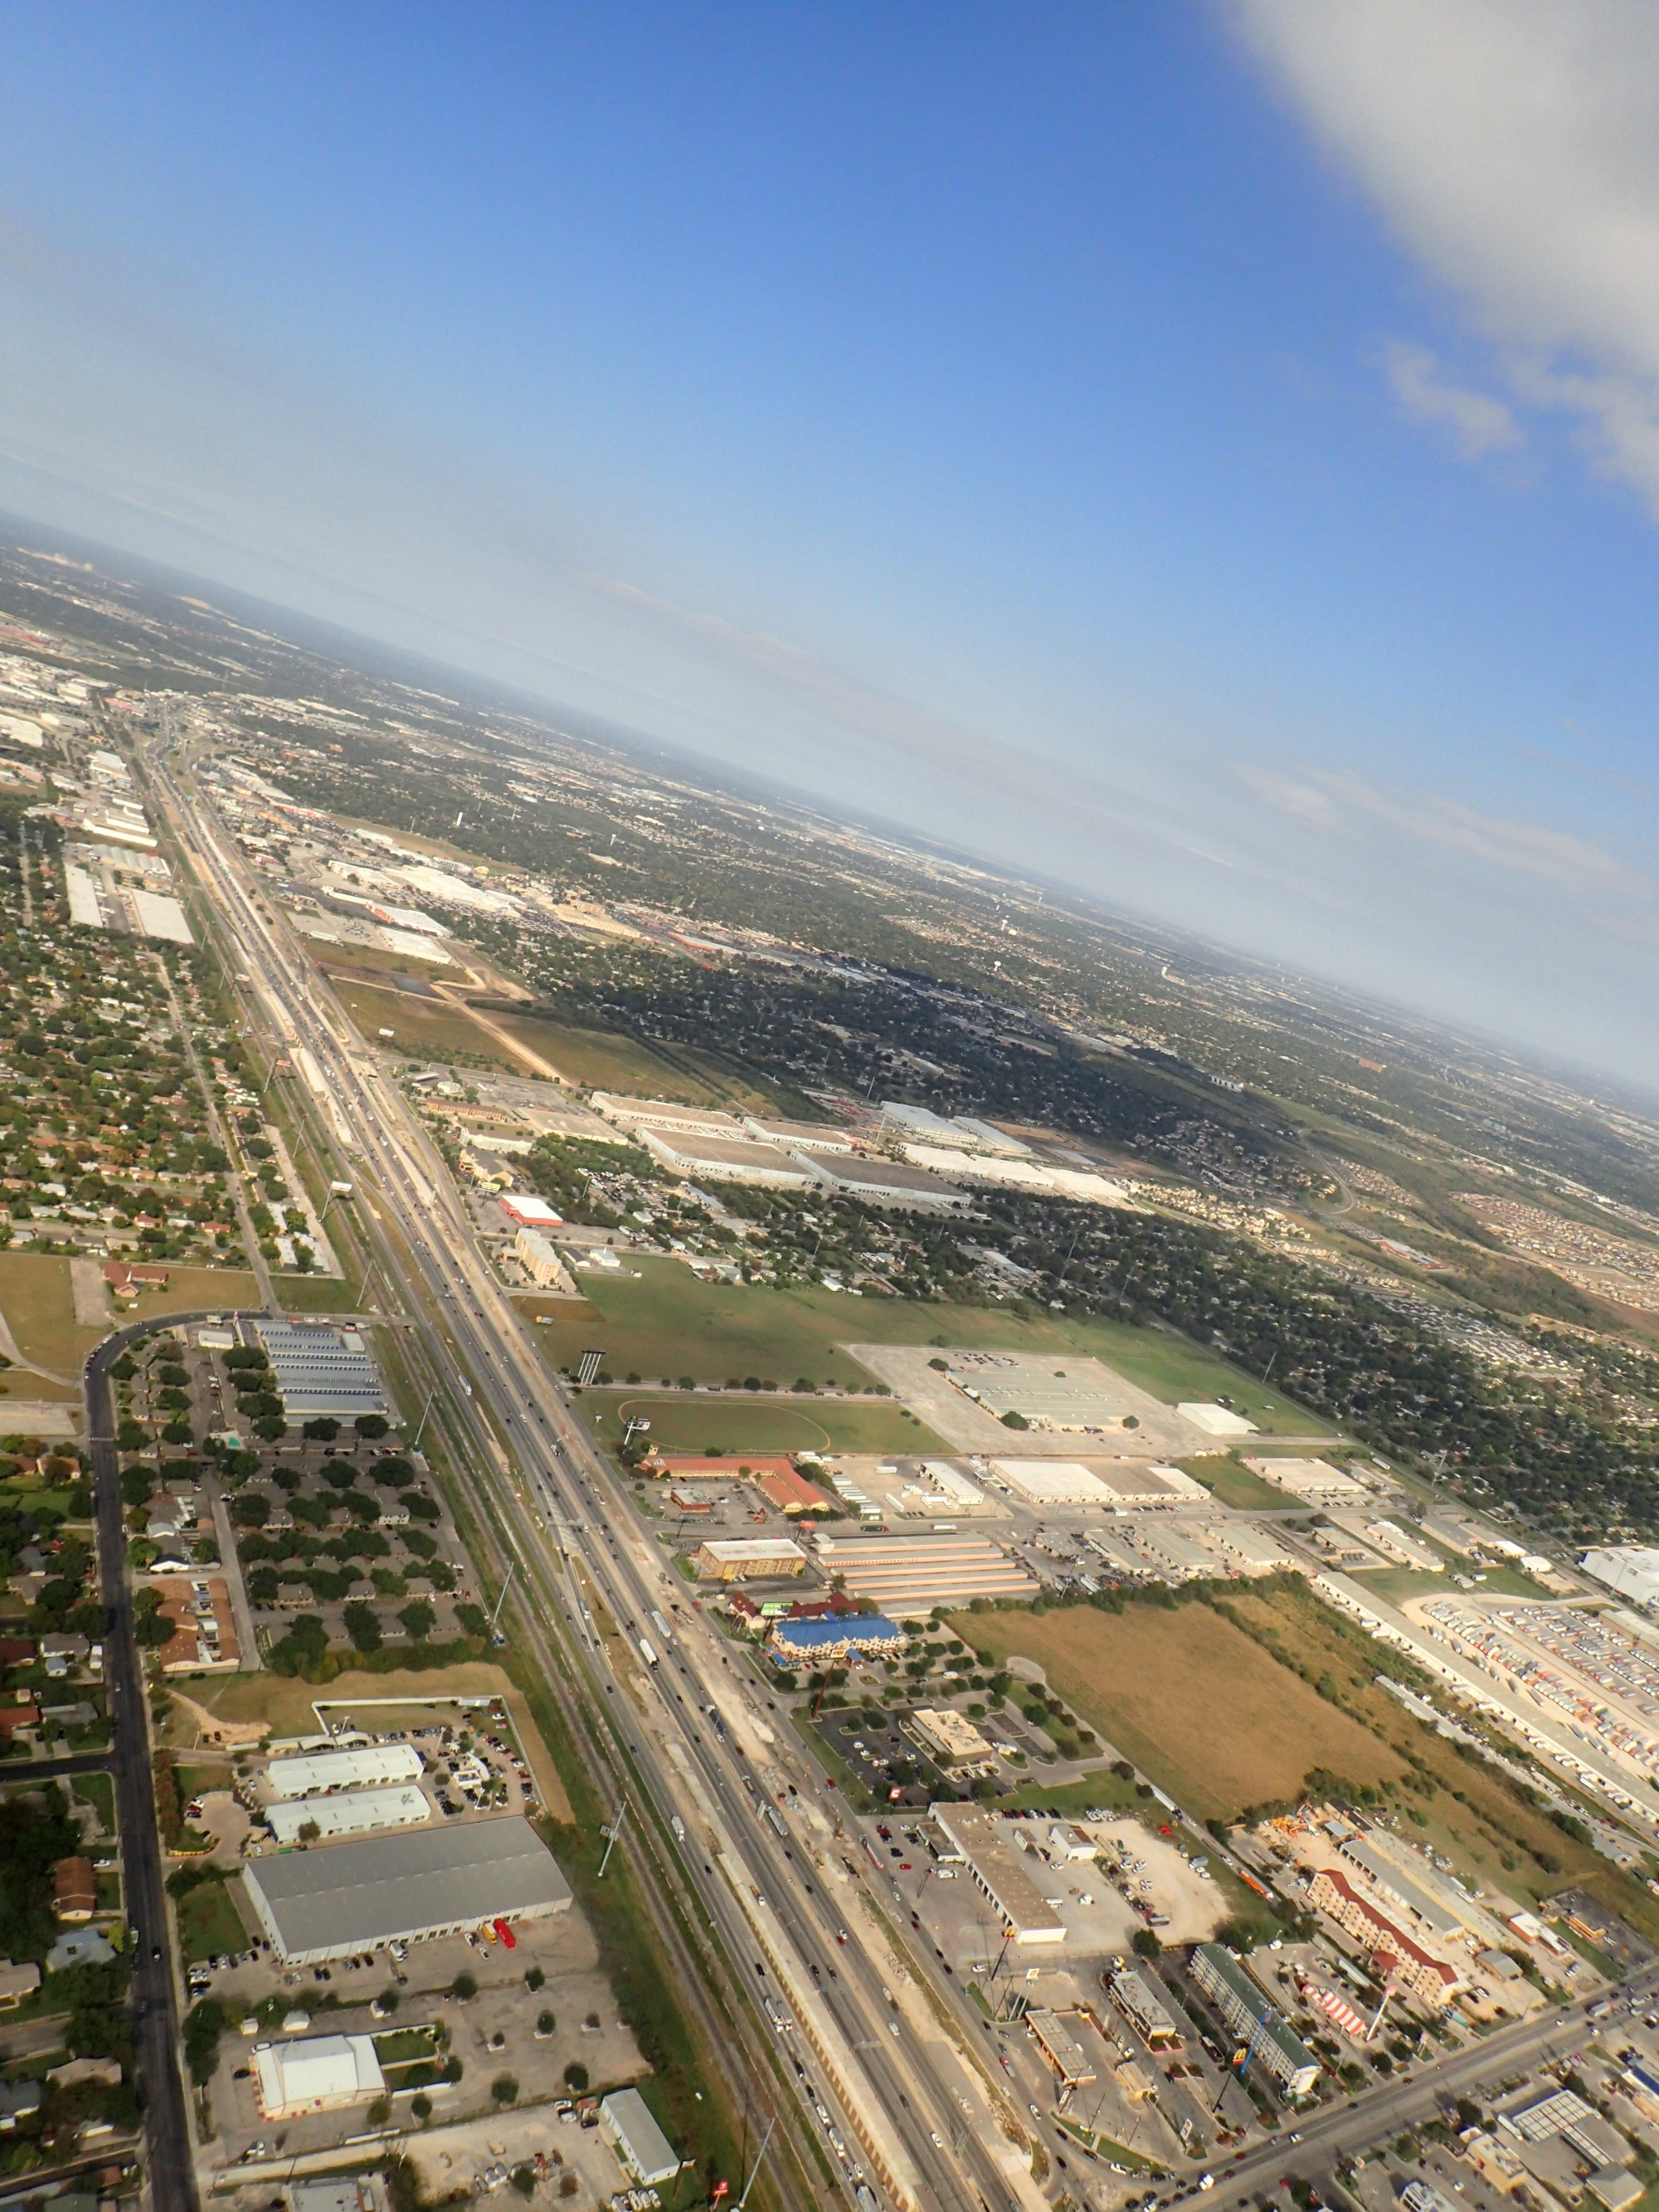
<point x="1208" y="454"/>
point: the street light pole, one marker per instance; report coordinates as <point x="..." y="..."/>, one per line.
<point x="512" y="1568"/>
<point x="755" y="2168"/>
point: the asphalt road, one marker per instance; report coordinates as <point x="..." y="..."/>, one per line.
<point x="1362" y="2121"/>
<point x="155" y="1998"/>
<point x="384" y="1146"/>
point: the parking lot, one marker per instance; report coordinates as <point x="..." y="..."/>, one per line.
<point x="875" y="1748"/>
<point x="1090" y="1898"/>
<point x="502" y="2031"/>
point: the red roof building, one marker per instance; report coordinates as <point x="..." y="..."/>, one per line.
<point x="1426" y="1977"/>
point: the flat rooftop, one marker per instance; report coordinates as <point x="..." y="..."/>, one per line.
<point x="340" y="1898"/>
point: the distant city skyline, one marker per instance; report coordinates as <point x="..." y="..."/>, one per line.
<point x="1209" y="456"/>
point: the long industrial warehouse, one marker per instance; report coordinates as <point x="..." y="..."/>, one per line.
<point x="328" y="1902"/>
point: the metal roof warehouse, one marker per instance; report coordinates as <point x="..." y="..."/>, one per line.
<point x="329" y="1902"/>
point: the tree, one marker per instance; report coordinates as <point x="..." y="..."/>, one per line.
<point x="535" y="1978"/>
<point x="303" y="1650"/>
<point x="1144" y="1941"/>
<point x="464" y="1988"/>
<point x="419" y="1621"/>
<point x="371" y="1425"/>
<point x="378" y="2112"/>
<point x="137" y="1483"/>
<point x="575" y="2078"/>
<point x="270" y="1428"/>
<point x="362" y="1626"/>
<point x="204" y="2023"/>
<point x="505" y="2090"/>
<point x="323" y="1429"/>
<point x="420" y="2107"/>
<point x="524" y="2180"/>
<point x="546" y="2023"/>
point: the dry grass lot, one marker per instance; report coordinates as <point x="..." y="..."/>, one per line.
<point x="1468" y="1812"/>
<point x="432" y="1029"/>
<point x="288" y="1706"/>
<point x="35" y="1298"/>
<point x="1195" y="1703"/>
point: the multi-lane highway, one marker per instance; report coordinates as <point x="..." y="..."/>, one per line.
<point x="883" y="2083"/>
<point x="782" y="1901"/>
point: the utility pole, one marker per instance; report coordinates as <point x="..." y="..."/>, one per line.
<point x="611" y="1834"/>
<point x="512" y="1570"/>
<point x="755" y="2168"/>
<point x="432" y="1400"/>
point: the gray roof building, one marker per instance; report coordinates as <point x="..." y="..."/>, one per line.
<point x="328" y="1902"/>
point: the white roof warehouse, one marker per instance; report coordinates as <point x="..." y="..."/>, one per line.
<point x="327" y="1903"/>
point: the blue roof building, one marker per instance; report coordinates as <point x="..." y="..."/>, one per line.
<point x="836" y="1636"/>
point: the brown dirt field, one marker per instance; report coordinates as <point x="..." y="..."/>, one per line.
<point x="1193" y="1701"/>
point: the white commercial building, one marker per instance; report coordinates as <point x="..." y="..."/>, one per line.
<point x="318" y="2075"/>
<point x="726" y="1159"/>
<point x="627" y="2123"/>
<point x="888" y="1182"/>
<point x="1307" y="1477"/>
<point x="1215" y="1420"/>
<point x="977" y="1840"/>
<point x="1630" y="1569"/>
<point x="961" y="1134"/>
<point x="353" y="1813"/>
<point x="1054" y="1482"/>
<point x="366" y="1766"/>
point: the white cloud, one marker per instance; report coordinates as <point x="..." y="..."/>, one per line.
<point x="1513" y="146"/>
<point x="1479" y="423"/>
<point x="1344" y="804"/>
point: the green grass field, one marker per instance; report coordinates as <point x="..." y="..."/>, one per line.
<point x="668" y="1324"/>
<point x="1232" y="1483"/>
<point x="97" y="1790"/>
<point x="312" y="1294"/>
<point x="208" y="1922"/>
<point x="192" y="1289"/>
<point x="760" y="1424"/>
<point x="602" y="1061"/>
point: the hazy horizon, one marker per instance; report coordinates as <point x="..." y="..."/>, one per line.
<point x="1204" y="457"/>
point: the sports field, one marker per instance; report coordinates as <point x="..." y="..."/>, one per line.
<point x="760" y="1423"/>
<point x="1197" y="1705"/>
<point x="668" y="1324"/>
